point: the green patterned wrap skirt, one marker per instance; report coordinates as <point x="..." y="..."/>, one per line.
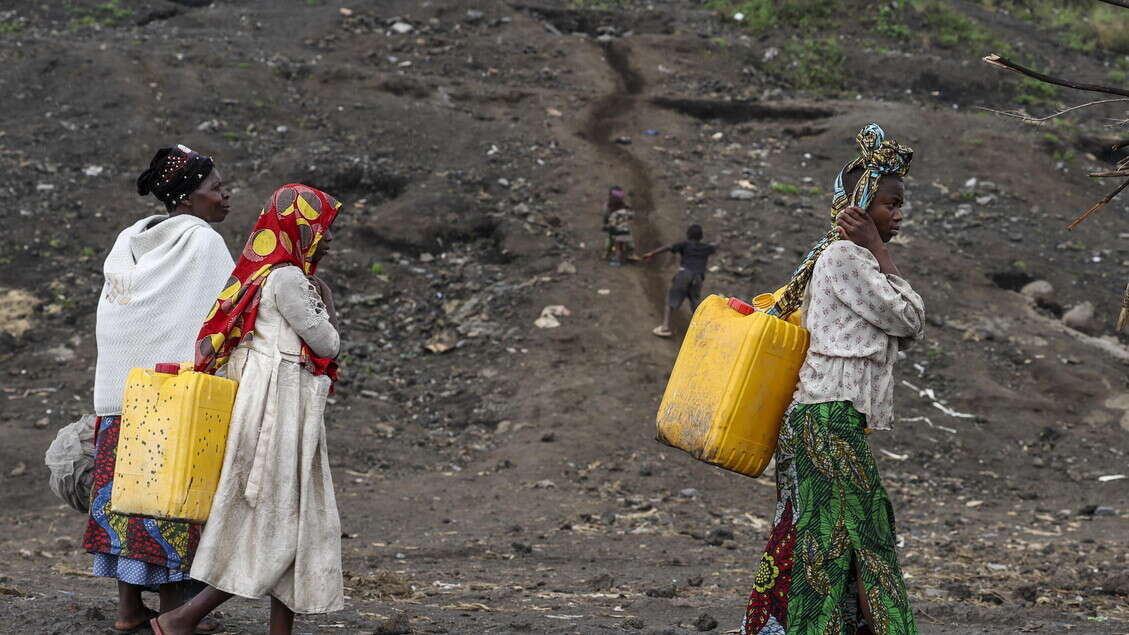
<point x="833" y="525"/>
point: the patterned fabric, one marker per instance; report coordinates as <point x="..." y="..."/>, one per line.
<point x="878" y="157"/>
<point x="620" y="223"/>
<point x="833" y="522"/>
<point x="173" y="174"/>
<point x="163" y="543"/>
<point x="135" y="571"/>
<point x="288" y="231"/>
<point x="858" y="318"/>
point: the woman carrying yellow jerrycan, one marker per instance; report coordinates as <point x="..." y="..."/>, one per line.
<point x="274" y="528"/>
<point x="160" y="274"/>
<point x="830" y="565"/>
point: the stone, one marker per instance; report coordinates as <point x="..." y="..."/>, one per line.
<point x="718" y="535"/>
<point x="742" y="195"/>
<point x="1038" y="290"/>
<point x="705" y="622"/>
<point x="636" y="623"/>
<point x="398" y="624"/>
<point x="602" y="582"/>
<point x="402" y="28"/>
<point x="1097" y="510"/>
<point x="566" y="268"/>
<point x="689" y="492"/>
<point x="1080" y="316"/>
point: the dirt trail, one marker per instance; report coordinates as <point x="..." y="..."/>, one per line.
<point x="606" y="116"/>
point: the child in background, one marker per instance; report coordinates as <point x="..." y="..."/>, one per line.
<point x="687" y="283"/>
<point x="617" y="223"/>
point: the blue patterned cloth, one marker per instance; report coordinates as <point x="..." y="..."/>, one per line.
<point x="135" y="571"/>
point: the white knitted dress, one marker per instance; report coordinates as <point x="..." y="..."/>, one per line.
<point x="274" y="529"/>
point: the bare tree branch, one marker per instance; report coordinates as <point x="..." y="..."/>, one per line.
<point x="1103" y="175"/>
<point x="1117" y="3"/>
<point x="996" y="60"/>
<point x="1029" y="119"/>
<point x="1097" y="206"/>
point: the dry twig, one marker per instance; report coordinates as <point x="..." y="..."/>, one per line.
<point x="996" y="60"/>
<point x="1097" y="206"/>
<point x="1017" y="114"/>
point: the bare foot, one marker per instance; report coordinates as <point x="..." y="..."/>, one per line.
<point x="130" y="623"/>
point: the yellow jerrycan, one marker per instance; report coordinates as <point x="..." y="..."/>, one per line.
<point x="171" y="445"/>
<point x="732" y="382"/>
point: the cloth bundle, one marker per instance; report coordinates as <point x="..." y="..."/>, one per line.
<point x="71" y="461"/>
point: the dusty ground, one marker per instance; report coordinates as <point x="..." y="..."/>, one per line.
<point x="494" y="477"/>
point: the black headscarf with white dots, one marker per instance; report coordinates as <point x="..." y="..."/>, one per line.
<point x="173" y="174"/>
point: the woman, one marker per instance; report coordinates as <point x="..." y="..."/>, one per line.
<point x="830" y="565"/>
<point x="273" y="529"/>
<point x="158" y="273"/>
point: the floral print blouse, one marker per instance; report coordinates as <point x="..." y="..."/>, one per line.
<point x="858" y="318"/>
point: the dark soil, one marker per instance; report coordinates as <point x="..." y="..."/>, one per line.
<point x="494" y="477"/>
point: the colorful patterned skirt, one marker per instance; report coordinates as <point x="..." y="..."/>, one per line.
<point x="162" y="549"/>
<point x="834" y="524"/>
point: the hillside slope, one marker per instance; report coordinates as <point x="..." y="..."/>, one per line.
<point x="497" y="477"/>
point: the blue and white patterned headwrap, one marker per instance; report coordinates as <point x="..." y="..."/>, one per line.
<point x="878" y="157"/>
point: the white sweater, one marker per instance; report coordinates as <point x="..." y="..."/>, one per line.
<point x="160" y="284"/>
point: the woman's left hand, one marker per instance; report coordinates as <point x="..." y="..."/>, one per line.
<point x="326" y="298"/>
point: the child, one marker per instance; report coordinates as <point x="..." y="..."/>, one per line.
<point x="617" y="223"/>
<point x="687" y="283"/>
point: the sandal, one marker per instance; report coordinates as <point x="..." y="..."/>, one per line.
<point x="661" y="331"/>
<point x="139" y="627"/>
<point x="153" y="625"/>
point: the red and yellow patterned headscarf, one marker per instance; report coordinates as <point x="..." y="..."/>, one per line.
<point x="287" y="233"/>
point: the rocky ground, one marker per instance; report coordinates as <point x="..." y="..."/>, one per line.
<point x="498" y="477"/>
